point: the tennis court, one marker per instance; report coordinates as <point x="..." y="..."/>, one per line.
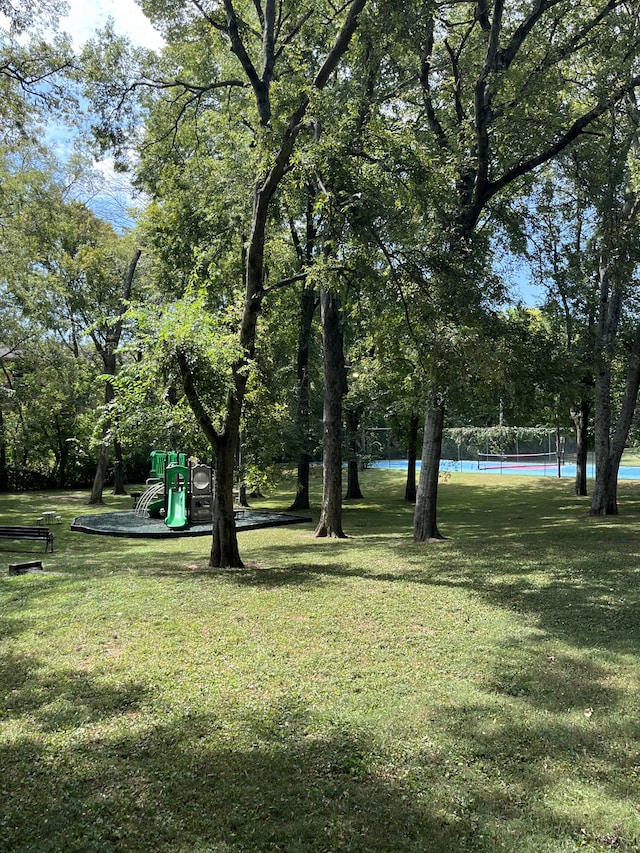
<point x="545" y="469"/>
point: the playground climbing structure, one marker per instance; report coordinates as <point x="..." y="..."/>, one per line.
<point x="179" y="490"/>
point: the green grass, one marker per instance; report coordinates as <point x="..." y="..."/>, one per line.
<point x="631" y="457"/>
<point x="367" y="694"/>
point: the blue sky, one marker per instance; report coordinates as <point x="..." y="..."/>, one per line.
<point x="114" y="195"/>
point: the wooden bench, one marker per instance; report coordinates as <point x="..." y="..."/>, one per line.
<point x="38" y="534"/>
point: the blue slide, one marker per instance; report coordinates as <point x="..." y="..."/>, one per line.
<point x="176" y="509"/>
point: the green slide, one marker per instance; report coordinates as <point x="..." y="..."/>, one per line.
<point x="176" y="508"/>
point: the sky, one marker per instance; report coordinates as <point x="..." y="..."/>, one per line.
<point x="85" y="18"/>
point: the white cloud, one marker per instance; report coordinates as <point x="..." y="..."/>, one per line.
<point x="85" y="18"/>
<point x="109" y="194"/>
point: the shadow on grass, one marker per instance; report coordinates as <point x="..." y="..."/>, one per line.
<point x="67" y="698"/>
<point x="279" y="777"/>
<point x="533" y="551"/>
<point x="523" y="776"/>
<point x="270" y="780"/>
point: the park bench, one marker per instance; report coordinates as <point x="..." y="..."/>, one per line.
<point x="41" y="534"/>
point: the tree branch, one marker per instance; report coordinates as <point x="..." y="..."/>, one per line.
<point x="204" y="421"/>
<point x="209" y="18"/>
<point x="268" y="41"/>
<point x="425" y="74"/>
<point x="126" y="296"/>
<point x="505" y="57"/>
<point x="563" y="141"/>
<point x="341" y="44"/>
<point x="294" y="32"/>
<point x="237" y="47"/>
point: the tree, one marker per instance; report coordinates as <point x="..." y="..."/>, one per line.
<point x="63" y="267"/>
<point x="308" y="303"/>
<point x="616" y="340"/>
<point x="13" y="335"/>
<point x="36" y="69"/>
<point x="266" y="47"/>
<point x="500" y="97"/>
<point x="106" y="336"/>
<point x="595" y="287"/>
<point x="561" y="256"/>
<point x="48" y="402"/>
<point x="335" y="387"/>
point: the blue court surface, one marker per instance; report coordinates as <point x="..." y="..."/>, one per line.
<point x="547" y="469"/>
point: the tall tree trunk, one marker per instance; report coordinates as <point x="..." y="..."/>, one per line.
<point x="224" y="550"/>
<point x="62" y="455"/>
<point x="101" y="472"/>
<point x="242" y="495"/>
<point x="580" y="418"/>
<point x="617" y="262"/>
<point x="303" y="479"/>
<point x="353" y="481"/>
<point x="224" y="544"/>
<point x="107" y="351"/>
<point x="605" y="499"/>
<point x="4" y="470"/>
<point x="609" y="449"/>
<point x="330" y="522"/>
<point x="412" y="458"/>
<point x="4" y="467"/>
<point x="308" y="303"/>
<point x="109" y="361"/>
<point x="118" y="469"/>
<point x="425" y="525"/>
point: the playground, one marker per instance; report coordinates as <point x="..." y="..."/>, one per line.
<point x="177" y="501"/>
<point x="129" y="524"/>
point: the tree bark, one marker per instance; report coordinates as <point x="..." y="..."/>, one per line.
<point x="4" y="471"/>
<point x="308" y="303"/>
<point x="224" y="544"/>
<point x="109" y="361"/>
<point x="580" y="418"/>
<point x="62" y="456"/>
<point x="412" y="457"/>
<point x="609" y="450"/>
<point x="330" y="522"/>
<point x="4" y="466"/>
<point x="354" y="491"/>
<point x="610" y="443"/>
<point x="118" y="469"/>
<point x="425" y="526"/>
<point x="96" y="499"/>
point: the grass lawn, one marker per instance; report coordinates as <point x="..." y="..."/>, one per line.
<point x="369" y="694"/>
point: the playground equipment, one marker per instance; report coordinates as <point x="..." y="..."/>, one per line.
<point x="178" y="490"/>
<point x="152" y="493"/>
